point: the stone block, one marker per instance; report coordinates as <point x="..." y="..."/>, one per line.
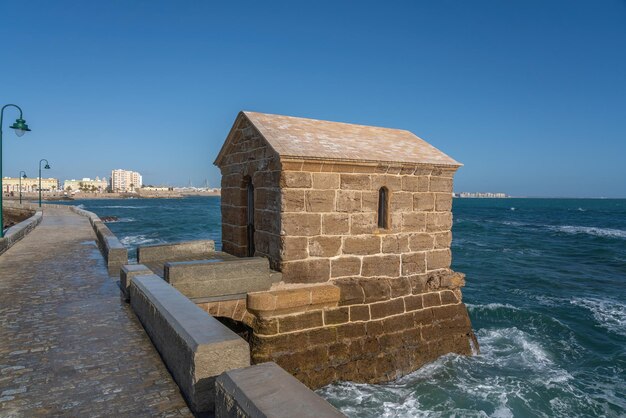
<point x="387" y="308"/>
<point x="295" y="179"/>
<point x="306" y="271"/>
<point x="345" y="267"/>
<point x="195" y="347"/>
<point x="401" y="202"/>
<point x="359" y="313"/>
<point x="335" y="223"/>
<point x="410" y="183"/>
<point x="423" y="202"/>
<point x="325" y="181"/>
<point x="381" y="265"/>
<point x="300" y="321"/>
<point x="127" y="272"/>
<point x="441" y="184"/>
<point x="413" y="302"/>
<point x="361" y="245"/>
<point x="294" y="248"/>
<point x="443" y="239"/>
<point x="350" y="292"/>
<point x="413" y="263"/>
<point x="210" y="278"/>
<point x="336" y="316"/>
<point x="443" y="202"/>
<point x="400" y="286"/>
<point x="438" y="221"/>
<point x="395" y="244"/>
<point x="438" y="259"/>
<point x="320" y="200"/>
<point x="391" y="182"/>
<point x="348" y="201"/>
<point x="421" y="242"/>
<point x="413" y="222"/>
<point x="301" y="224"/>
<point x="448" y="297"/>
<point x="268" y="198"/>
<point x="324" y="246"/>
<point x="148" y="253"/>
<point x="453" y="280"/>
<point x="375" y="289"/>
<point x="292" y="200"/>
<point x="356" y="182"/>
<point x="431" y="299"/>
<point x="369" y="201"/>
<point x="363" y="223"/>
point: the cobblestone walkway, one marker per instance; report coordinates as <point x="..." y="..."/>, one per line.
<point x="68" y="346"/>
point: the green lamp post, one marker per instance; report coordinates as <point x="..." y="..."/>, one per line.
<point x="20" y="128"/>
<point x="22" y="176"/>
<point x="47" y="167"/>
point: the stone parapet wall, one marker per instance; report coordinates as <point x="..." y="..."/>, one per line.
<point x="330" y="227"/>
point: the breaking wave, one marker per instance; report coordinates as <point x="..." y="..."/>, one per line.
<point x="135" y="240"/>
<point x="609" y="314"/>
<point x="599" y="232"/>
<point x="123" y="207"/>
<point x="513" y="373"/>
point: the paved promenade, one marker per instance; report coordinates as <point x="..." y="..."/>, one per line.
<point x="68" y="346"/>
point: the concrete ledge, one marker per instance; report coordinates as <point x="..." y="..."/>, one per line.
<point x="210" y="278"/>
<point x="195" y="347"/>
<point x="127" y="273"/>
<point x="267" y="391"/>
<point x="148" y="253"/>
<point x="19" y="231"/>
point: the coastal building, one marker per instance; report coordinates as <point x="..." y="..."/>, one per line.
<point x="29" y="184"/>
<point x="125" y="181"/>
<point x="358" y="220"/>
<point x="482" y="195"/>
<point x="86" y="185"/>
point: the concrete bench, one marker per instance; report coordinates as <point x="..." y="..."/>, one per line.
<point x="195" y="347"/>
<point x="210" y="278"/>
<point x="267" y="391"/>
<point x="158" y="252"/>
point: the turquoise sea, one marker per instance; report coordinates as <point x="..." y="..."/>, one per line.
<point x="546" y="291"/>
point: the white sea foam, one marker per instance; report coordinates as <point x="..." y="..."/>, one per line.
<point x="590" y="230"/>
<point x="134" y="240"/>
<point x="609" y="314"/>
<point x="121" y="220"/>
<point x="490" y="307"/>
<point x="123" y="207"/>
<point x="81" y="206"/>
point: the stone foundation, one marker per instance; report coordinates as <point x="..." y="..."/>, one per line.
<point x="361" y="330"/>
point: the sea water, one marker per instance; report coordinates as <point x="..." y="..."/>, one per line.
<point x="546" y="293"/>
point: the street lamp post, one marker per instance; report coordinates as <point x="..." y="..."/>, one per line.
<point x="22" y="176"/>
<point x="47" y="167"/>
<point x="20" y="127"/>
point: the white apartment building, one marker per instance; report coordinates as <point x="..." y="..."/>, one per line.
<point x="125" y="181"/>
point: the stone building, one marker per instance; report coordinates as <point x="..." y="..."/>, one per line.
<point x="358" y="220"/>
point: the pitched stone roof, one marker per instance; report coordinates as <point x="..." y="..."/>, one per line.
<point x="318" y="139"/>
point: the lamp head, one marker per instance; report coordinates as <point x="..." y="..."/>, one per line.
<point x="24" y="176"/>
<point x="47" y="167"/>
<point x="20" y="127"/>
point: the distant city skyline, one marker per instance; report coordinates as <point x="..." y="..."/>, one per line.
<point x="529" y="95"/>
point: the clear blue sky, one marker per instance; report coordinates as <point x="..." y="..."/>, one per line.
<point x="529" y="95"/>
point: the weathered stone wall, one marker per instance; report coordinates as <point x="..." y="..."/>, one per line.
<point x="329" y="220"/>
<point x="360" y="329"/>
<point x="250" y="159"/>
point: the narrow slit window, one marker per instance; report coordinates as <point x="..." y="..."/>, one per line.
<point x="382" y="207"/>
